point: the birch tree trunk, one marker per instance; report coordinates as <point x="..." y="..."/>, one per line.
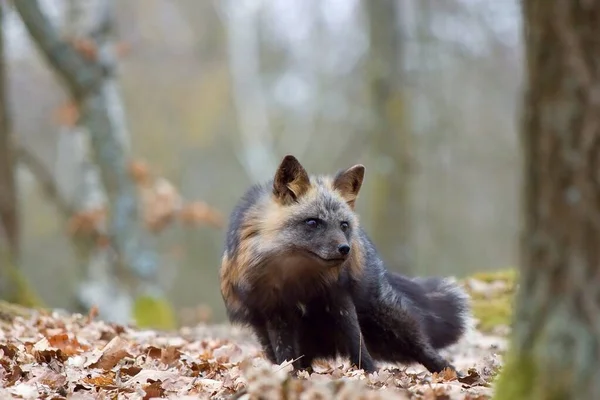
<point x="391" y="139"/>
<point x="555" y="350"/>
<point x="78" y="177"/>
<point x="92" y="85"/>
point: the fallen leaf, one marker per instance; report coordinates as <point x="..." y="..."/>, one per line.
<point x="170" y="355"/>
<point x="154" y="389"/>
<point x="103" y="380"/>
<point x="153" y="352"/>
<point x="69" y="346"/>
<point x="9" y="350"/>
<point x="139" y="171"/>
<point x="152" y="374"/>
<point x="471" y="378"/>
<point x="12" y="377"/>
<point x="86" y="47"/>
<point x="112" y="353"/>
<point x="52" y="379"/>
<point x="67" y="114"/>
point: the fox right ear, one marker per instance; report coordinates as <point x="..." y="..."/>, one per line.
<point x="349" y="182"/>
<point x="291" y="180"/>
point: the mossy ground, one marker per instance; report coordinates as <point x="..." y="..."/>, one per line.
<point x="493" y="308"/>
<point x="154" y="313"/>
<point x="514" y="382"/>
<point x="20" y="292"/>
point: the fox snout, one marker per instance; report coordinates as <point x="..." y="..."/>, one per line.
<point x="344" y="249"/>
<point x="338" y="250"/>
<point x="334" y="251"/>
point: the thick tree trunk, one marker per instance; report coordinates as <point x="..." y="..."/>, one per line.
<point x="391" y="203"/>
<point x="555" y="351"/>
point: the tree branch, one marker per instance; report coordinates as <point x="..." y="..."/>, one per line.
<point x="81" y="77"/>
<point x="44" y="178"/>
<point x="108" y="133"/>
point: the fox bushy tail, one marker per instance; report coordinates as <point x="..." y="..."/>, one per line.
<point x="441" y="304"/>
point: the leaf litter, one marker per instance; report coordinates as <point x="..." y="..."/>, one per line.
<point x="62" y="356"/>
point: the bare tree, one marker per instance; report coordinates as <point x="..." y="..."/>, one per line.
<point x="90" y="77"/>
<point x="556" y="337"/>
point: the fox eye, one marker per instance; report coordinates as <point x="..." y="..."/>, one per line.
<point x="312" y="222"/>
<point x="344" y="226"/>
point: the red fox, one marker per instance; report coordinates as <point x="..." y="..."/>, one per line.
<point x="299" y="269"/>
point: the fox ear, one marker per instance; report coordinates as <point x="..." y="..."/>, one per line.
<point x="291" y="180"/>
<point x="348" y="182"/>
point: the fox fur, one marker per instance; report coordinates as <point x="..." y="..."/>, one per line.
<point x="299" y="269"/>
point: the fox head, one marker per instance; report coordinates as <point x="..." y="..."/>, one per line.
<point x="313" y="219"/>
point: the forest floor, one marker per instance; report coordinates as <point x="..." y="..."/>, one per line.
<point x="55" y="355"/>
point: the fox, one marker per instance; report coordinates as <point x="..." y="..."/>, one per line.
<point x="301" y="272"/>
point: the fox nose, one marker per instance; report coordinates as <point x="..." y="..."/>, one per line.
<point x="344" y="249"/>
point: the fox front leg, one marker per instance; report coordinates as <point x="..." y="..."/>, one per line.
<point x="262" y="334"/>
<point x="283" y="337"/>
<point x="349" y="330"/>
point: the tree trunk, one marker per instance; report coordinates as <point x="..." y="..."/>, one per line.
<point x="92" y="85"/>
<point x="9" y="216"/>
<point x="390" y="175"/>
<point x="555" y="351"/>
<point x="13" y="285"/>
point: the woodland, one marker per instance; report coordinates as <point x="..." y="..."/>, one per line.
<point x="130" y="129"/>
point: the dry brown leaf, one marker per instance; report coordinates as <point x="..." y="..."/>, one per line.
<point x="52" y="379"/>
<point x="170" y="355"/>
<point x="139" y="171"/>
<point x="153" y="390"/>
<point x="112" y="353"/>
<point x="472" y="378"/>
<point x="69" y="346"/>
<point x="153" y="352"/>
<point x="199" y="212"/>
<point x="86" y="47"/>
<point x="131" y="371"/>
<point x="446" y="375"/>
<point x="13" y="375"/>
<point x="104" y="380"/>
<point x="45" y="353"/>
<point x="9" y="350"/>
<point x="86" y="222"/>
<point x="67" y="114"/>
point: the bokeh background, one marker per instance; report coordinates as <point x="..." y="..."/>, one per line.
<point x="214" y="93"/>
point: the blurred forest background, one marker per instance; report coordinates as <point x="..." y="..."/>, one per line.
<point x="209" y="95"/>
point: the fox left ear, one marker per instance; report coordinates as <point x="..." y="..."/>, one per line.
<point x="348" y="182"/>
<point x="291" y="180"/>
